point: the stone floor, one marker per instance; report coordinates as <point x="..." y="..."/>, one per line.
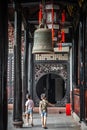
<point x="55" y="121"/>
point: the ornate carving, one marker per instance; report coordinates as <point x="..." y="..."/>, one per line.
<point x="41" y="69"/>
<point x="60" y="69"/>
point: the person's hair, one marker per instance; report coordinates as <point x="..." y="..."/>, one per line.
<point x="43" y="96"/>
<point x="29" y="96"/>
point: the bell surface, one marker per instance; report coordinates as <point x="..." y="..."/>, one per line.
<point x="42" y="41"/>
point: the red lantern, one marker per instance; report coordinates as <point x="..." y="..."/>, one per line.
<point x="63" y="16"/>
<point x="59" y="36"/>
<point x="60" y="46"/>
<point x="52" y="34"/>
<point x="63" y="36"/>
<point x="52" y="15"/>
<point x="52" y="24"/>
<point x="59" y="40"/>
<point x="40" y="14"/>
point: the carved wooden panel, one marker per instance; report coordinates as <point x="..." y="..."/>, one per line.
<point x="41" y="69"/>
<point x="61" y="69"/>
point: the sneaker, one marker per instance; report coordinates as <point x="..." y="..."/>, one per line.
<point x="26" y="124"/>
<point x="45" y="127"/>
<point x="32" y="125"/>
<point x="42" y="126"/>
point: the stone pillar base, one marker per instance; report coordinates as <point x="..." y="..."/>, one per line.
<point x="18" y="124"/>
<point x="83" y="126"/>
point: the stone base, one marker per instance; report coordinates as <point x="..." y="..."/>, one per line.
<point x="18" y="124"/>
<point x="77" y="119"/>
<point x="83" y="126"/>
<point x="75" y="116"/>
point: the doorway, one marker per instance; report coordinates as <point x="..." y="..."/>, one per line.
<point x="53" y="86"/>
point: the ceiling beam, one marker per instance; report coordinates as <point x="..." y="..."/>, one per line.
<point x="26" y="4"/>
<point x="30" y="4"/>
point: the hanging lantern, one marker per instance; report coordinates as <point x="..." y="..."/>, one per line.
<point x="59" y="41"/>
<point x="52" y="20"/>
<point x="42" y="41"/>
<point x="62" y="40"/>
<point x="52" y="25"/>
<point x="40" y="14"/>
<point x="60" y="46"/>
<point x="63" y="36"/>
<point x="52" y="15"/>
<point x="59" y="36"/>
<point x="52" y="11"/>
<point x="63" y="16"/>
<point x="52" y="37"/>
<point x="52" y="34"/>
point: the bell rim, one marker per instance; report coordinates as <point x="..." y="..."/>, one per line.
<point x="42" y="29"/>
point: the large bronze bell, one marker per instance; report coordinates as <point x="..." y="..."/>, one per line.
<point x="42" y="41"/>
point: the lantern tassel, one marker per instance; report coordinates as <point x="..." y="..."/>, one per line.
<point x="60" y="46"/>
<point x="63" y="36"/>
